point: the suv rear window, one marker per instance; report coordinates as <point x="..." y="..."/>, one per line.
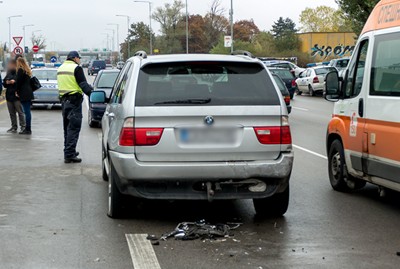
<point x="205" y="83"/>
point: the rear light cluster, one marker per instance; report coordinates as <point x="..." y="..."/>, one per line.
<point x="294" y="83"/>
<point x="315" y="80"/>
<point x="131" y="136"/>
<point x="275" y="135"/>
<point x="287" y="99"/>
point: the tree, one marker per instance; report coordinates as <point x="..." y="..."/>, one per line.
<point x="357" y="12"/>
<point x="245" y="30"/>
<point x="216" y="24"/>
<point x="323" y="19"/>
<point x="169" y="17"/>
<point x="39" y="41"/>
<point x="139" y="36"/>
<point x="197" y="34"/>
<point x="283" y="27"/>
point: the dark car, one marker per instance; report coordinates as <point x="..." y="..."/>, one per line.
<point x="285" y="92"/>
<point x="288" y="78"/>
<point x="96" y="66"/>
<point x="104" y="82"/>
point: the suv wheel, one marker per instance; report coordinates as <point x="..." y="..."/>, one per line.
<point x="116" y="200"/>
<point x="311" y="90"/>
<point x="275" y="205"/>
<point x="338" y="176"/>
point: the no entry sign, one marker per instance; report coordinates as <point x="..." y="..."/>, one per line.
<point x="35" y="48"/>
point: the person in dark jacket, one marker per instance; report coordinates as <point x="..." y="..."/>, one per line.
<point x="24" y="92"/>
<point x="13" y="104"/>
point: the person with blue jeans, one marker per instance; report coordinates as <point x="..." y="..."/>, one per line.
<point x="24" y="92"/>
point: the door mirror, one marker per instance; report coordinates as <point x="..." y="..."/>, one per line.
<point x="97" y="97"/>
<point x="332" y="86"/>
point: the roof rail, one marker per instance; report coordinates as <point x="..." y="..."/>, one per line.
<point x="243" y="53"/>
<point x="141" y="53"/>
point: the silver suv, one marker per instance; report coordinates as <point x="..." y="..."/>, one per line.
<point x="199" y="127"/>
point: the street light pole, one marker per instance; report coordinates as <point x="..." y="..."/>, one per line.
<point x="231" y="15"/>
<point x="151" y="29"/>
<point x="23" y="28"/>
<point x="113" y="38"/>
<point x="9" y="30"/>
<point x="187" y="29"/>
<point x="129" y="37"/>
<point x="119" y="50"/>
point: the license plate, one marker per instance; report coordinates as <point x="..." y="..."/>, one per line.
<point x="207" y="136"/>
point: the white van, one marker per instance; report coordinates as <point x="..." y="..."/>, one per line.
<point x="362" y="138"/>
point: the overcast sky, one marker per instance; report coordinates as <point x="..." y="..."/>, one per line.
<point x="75" y="24"/>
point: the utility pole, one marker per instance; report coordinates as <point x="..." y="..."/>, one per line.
<point x="23" y="28"/>
<point x="187" y="29"/>
<point x="151" y="29"/>
<point x="231" y="17"/>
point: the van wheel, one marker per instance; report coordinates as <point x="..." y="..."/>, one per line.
<point x="338" y="176"/>
<point x="311" y="90"/>
<point x="275" y="206"/>
<point x="116" y="200"/>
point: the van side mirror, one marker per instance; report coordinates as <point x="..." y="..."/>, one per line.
<point x="97" y="97"/>
<point x="332" y="86"/>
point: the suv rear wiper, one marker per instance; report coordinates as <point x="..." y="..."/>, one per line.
<point x="187" y="101"/>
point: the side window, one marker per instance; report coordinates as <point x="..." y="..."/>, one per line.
<point x="119" y="88"/>
<point x="308" y="73"/>
<point x="385" y="75"/>
<point x="356" y="74"/>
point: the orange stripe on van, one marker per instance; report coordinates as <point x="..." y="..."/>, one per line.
<point x="386" y="14"/>
<point x="387" y="136"/>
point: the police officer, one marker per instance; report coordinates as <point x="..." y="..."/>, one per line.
<point x="72" y="85"/>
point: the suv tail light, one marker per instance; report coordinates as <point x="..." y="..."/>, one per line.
<point x="275" y="135"/>
<point x="287" y="99"/>
<point x="131" y="136"/>
<point x="315" y="80"/>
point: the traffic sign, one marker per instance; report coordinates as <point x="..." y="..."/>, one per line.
<point x="227" y="41"/>
<point x="35" y="48"/>
<point x="18" y="50"/>
<point x="17" y="40"/>
<point x="26" y="49"/>
<point x="53" y="59"/>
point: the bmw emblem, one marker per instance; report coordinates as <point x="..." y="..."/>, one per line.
<point x="209" y="120"/>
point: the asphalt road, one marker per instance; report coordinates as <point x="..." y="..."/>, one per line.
<point x="53" y="215"/>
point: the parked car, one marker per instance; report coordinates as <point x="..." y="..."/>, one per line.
<point x="48" y="94"/>
<point x="284" y="91"/>
<point x="95" y="67"/>
<point x="362" y="137"/>
<point x="109" y="66"/>
<point x="202" y="127"/>
<point x="312" y="80"/>
<point x="288" y="78"/>
<point x="120" y="65"/>
<point x="104" y="81"/>
<point x="286" y="65"/>
<point x="340" y="64"/>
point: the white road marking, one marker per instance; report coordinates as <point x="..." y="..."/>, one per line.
<point x="300" y="108"/>
<point x="311" y="152"/>
<point x="142" y="252"/>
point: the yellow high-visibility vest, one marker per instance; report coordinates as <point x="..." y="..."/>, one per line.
<point x="67" y="83"/>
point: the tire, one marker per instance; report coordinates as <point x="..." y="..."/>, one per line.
<point x="311" y="90"/>
<point x="116" y="200"/>
<point x="299" y="92"/>
<point x="92" y="124"/>
<point x="339" y="178"/>
<point x="274" y="206"/>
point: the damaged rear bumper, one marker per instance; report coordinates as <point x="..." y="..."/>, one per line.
<point x="191" y="180"/>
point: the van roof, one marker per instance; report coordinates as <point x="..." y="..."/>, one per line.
<point x="386" y="14"/>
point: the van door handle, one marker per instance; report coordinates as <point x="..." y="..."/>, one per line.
<point x="361" y="107"/>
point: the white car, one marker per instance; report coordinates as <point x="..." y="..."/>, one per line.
<point x="48" y="94"/>
<point x="286" y="65"/>
<point x="312" y="80"/>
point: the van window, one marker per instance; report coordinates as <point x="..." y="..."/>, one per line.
<point x="385" y="75"/>
<point x="205" y="83"/>
<point x="356" y="74"/>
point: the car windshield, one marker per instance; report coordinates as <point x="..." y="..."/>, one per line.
<point x="45" y="74"/>
<point x="283" y="73"/>
<point x="219" y="83"/>
<point x="107" y="80"/>
<point x="324" y="71"/>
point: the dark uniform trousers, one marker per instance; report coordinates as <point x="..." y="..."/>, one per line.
<point x="72" y="119"/>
